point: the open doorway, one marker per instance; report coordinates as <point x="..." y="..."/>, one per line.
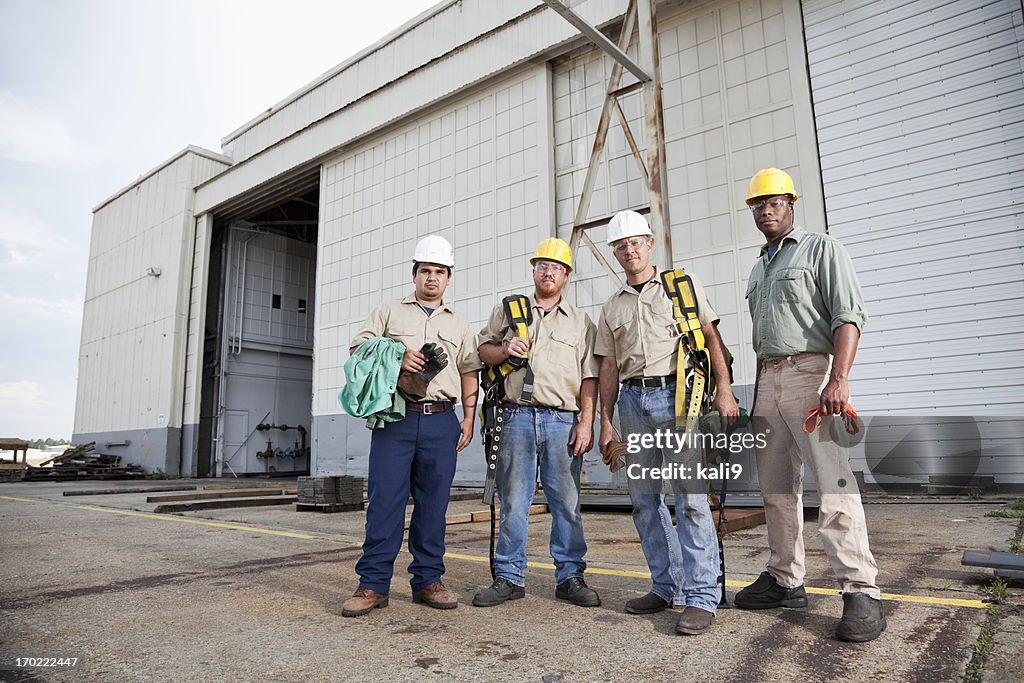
<point x="256" y="411"/>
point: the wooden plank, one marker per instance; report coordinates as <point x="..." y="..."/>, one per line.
<point x="113" y="492"/>
<point x="735" y="519"/>
<point x="216" y="496"/>
<point x="223" y="504"/>
<point x="328" y="507"/>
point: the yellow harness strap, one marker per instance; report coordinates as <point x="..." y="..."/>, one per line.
<point x="679" y="288"/>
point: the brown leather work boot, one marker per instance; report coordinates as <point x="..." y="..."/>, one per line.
<point x="362" y="601"/>
<point x="437" y="596"/>
<point x="694" y="621"/>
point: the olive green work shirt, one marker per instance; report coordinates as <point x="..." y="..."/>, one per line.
<point x="799" y="297"/>
<point x="561" y="354"/>
<point x="404" y="321"/>
<point x="639" y="330"/>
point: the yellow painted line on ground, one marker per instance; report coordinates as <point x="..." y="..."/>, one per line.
<point x="185" y="520"/>
<point x="918" y="599"/>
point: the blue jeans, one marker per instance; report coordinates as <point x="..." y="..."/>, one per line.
<point x="533" y="435"/>
<point x="683" y="561"/>
<point x="415" y="456"/>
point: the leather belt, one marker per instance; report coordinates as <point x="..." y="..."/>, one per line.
<point x="430" y="407"/>
<point x="652" y="382"/>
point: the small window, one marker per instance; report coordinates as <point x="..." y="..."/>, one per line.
<point x="302" y="305"/>
<point x="276" y="302"/>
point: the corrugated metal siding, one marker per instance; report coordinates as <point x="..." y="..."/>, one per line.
<point x="920" y="114"/>
<point x="129" y="371"/>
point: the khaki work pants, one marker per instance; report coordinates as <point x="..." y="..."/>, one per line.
<point x="787" y="389"/>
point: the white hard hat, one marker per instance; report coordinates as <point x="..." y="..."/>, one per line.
<point x="627" y="224"/>
<point x="434" y="249"/>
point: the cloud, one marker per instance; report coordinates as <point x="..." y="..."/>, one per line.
<point x="26" y="240"/>
<point x="61" y="312"/>
<point x="31" y="134"/>
<point x="31" y="410"/>
<point x="21" y="394"/>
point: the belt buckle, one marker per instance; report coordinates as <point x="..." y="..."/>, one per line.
<point x="653" y="382"/>
<point x="428" y="408"/>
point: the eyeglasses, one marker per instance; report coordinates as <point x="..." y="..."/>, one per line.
<point x="622" y="246"/>
<point x="549" y="267"/>
<point x="775" y="204"/>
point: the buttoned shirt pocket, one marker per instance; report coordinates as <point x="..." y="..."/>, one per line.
<point x="751" y="294"/>
<point x="792" y="285"/>
<point x="409" y="335"/>
<point x="450" y="341"/>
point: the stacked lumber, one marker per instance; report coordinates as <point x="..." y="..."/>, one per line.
<point x="81" y="462"/>
<point x="330" y="494"/>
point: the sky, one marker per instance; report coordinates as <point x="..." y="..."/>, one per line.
<point x="95" y="93"/>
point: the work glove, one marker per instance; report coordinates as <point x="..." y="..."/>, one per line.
<point x="615" y="456"/>
<point x="414" y="385"/>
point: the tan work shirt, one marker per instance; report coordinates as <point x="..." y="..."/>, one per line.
<point x="639" y="330"/>
<point x="798" y="298"/>
<point x="561" y="354"/>
<point x="404" y="321"/>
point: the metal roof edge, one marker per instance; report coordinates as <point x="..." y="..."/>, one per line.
<point x="189" y="149"/>
<point x="424" y="16"/>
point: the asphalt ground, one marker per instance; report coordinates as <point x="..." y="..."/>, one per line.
<point x="255" y="594"/>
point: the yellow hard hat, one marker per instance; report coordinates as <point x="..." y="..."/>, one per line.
<point x="553" y="249"/>
<point x="768" y="182"/>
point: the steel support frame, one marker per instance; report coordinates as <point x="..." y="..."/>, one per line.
<point x="641" y="15"/>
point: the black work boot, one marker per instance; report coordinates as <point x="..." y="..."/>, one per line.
<point x="497" y="593"/>
<point x="862" y="620"/>
<point x="647" y="604"/>
<point x="766" y="593"/>
<point x="575" y="590"/>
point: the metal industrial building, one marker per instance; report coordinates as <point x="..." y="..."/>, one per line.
<point x="223" y="288"/>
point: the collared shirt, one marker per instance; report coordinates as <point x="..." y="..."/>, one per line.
<point x="404" y="321"/>
<point x="639" y="329"/>
<point x="798" y="298"/>
<point x="561" y="354"/>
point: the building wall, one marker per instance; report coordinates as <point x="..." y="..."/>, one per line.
<point x="131" y="360"/>
<point x="736" y="99"/>
<point x="920" y="114"/>
<point x="474" y="172"/>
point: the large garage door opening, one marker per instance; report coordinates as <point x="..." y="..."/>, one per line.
<point x="258" y="366"/>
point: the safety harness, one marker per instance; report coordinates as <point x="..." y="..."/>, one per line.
<point x="699" y="381"/>
<point x="519" y="315"/>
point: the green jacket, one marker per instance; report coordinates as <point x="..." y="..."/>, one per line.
<point x="371" y="381"/>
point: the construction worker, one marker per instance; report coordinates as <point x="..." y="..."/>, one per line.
<point x="417" y="454"/>
<point x="638" y="343"/>
<point x="548" y="420"/>
<point x="807" y="312"/>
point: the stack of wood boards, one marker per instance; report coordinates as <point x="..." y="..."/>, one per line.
<point x="80" y="462"/>
<point x="338" y="491"/>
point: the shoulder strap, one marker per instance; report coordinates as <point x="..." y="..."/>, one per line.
<point x="679" y="288"/>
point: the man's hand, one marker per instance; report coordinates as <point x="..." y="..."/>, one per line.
<point x="834" y="397"/>
<point x="582" y="438"/>
<point x="413" y="361"/>
<point x="466" y="427"/>
<point x="726" y="405"/>
<point x="516" y="347"/>
<point x="607" y="435"/>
